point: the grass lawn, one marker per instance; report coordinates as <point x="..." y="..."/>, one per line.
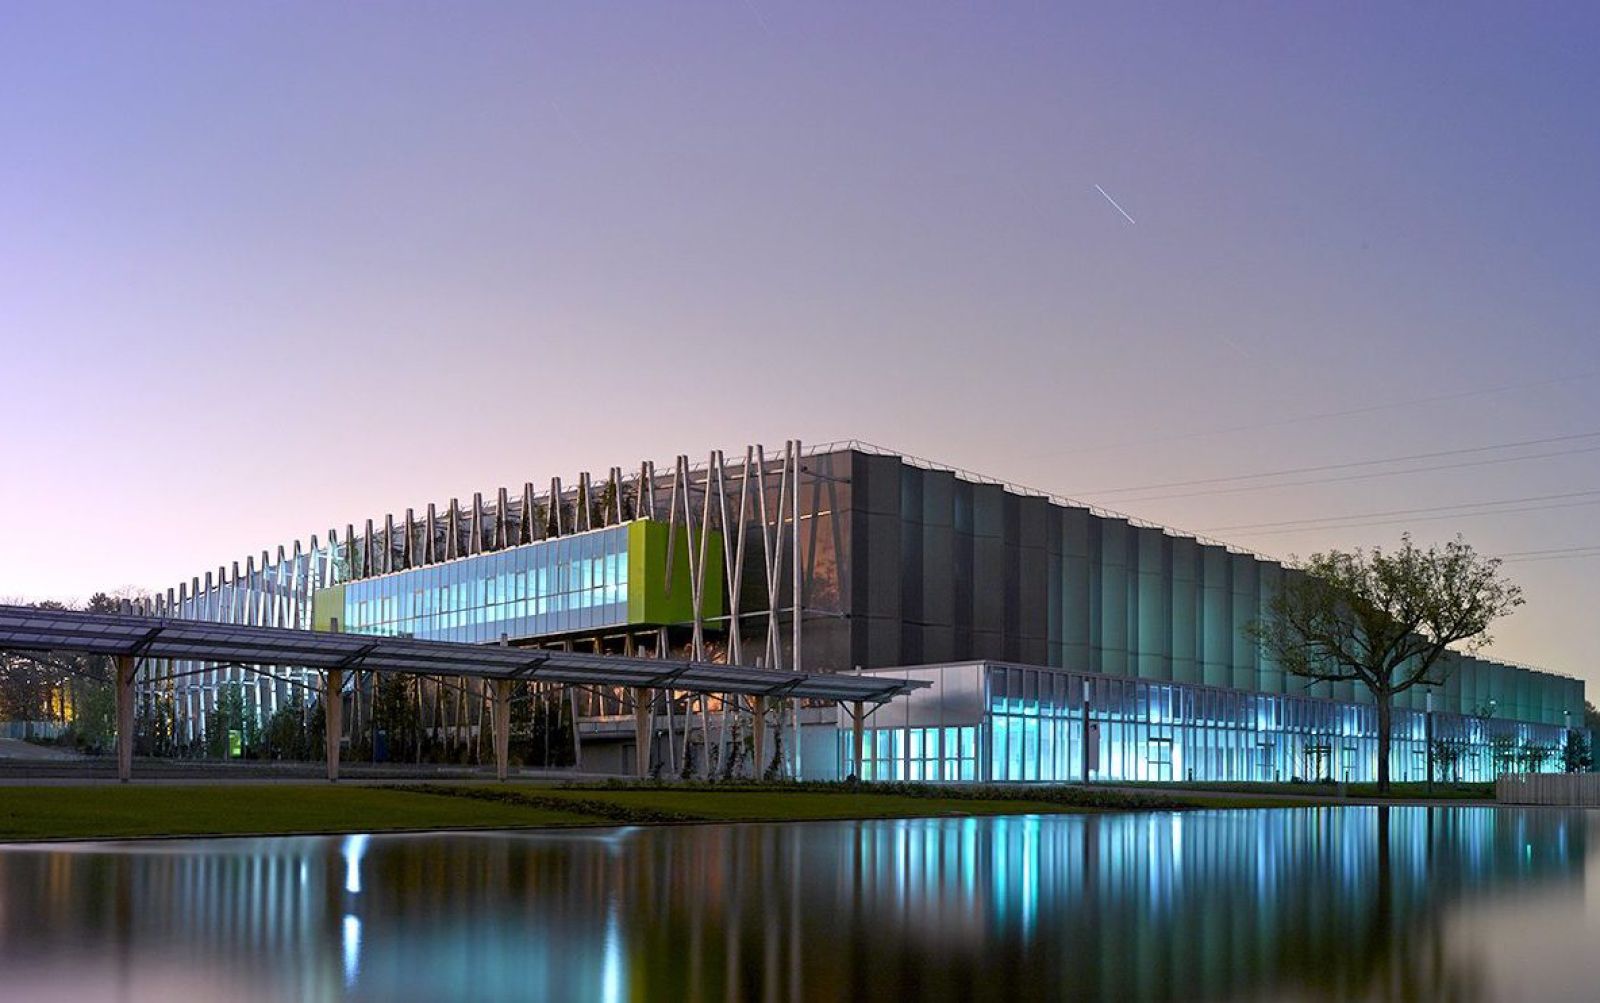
<point x="1404" y="791"/>
<point x="111" y="810"/>
<point x="757" y="805"/>
<point x="743" y="803"/>
<point x="93" y="811"/>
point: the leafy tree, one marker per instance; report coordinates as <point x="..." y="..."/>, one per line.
<point x="775" y="765"/>
<point x="287" y="735"/>
<point x="1384" y="620"/>
<point x="71" y="690"/>
<point x="738" y="750"/>
<point x="155" y="724"/>
<point x="1533" y="755"/>
<point x="1447" y="754"/>
<point x="394" y="713"/>
<point x="29" y="689"/>
<point x="228" y="715"/>
<point x="1575" y="753"/>
<point x="95" y="718"/>
<point x="1504" y="750"/>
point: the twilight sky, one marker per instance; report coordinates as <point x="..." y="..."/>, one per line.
<point x="271" y="268"/>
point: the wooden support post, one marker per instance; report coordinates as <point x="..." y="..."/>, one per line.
<point x="758" y="735"/>
<point x="577" y="740"/>
<point x="126" y="667"/>
<point x="858" y="737"/>
<point x="641" y="730"/>
<point x="333" y="718"/>
<point x="502" y="727"/>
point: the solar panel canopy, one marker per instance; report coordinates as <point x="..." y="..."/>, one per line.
<point x="28" y="629"/>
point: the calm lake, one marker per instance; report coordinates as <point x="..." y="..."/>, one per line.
<point x="1296" y="904"/>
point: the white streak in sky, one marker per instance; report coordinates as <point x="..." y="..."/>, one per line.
<point x="1114" y="205"/>
<point x="754" y="10"/>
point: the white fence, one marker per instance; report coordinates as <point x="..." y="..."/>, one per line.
<point x="29" y="729"/>
<point x="1548" y="788"/>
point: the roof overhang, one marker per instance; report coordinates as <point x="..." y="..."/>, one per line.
<point x="27" y="629"/>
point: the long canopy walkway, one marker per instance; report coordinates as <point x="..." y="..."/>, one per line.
<point x="132" y="640"/>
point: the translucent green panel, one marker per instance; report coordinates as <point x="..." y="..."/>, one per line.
<point x="657" y="597"/>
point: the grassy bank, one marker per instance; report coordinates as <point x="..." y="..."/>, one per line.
<point x="105" y="810"/>
<point x="1398" y="791"/>
<point x="115" y="811"/>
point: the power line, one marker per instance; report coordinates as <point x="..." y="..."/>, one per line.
<point x="1363" y="477"/>
<point x="1345" y="466"/>
<point x="1424" y="518"/>
<point x="1552" y="557"/>
<point x="1402" y="511"/>
<point x="1325" y="415"/>
<point x="1551" y="550"/>
<point x="1551" y="554"/>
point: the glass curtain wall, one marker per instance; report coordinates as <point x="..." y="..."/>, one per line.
<point x="929" y="755"/>
<point x="1036" y="721"/>
<point x="573" y="583"/>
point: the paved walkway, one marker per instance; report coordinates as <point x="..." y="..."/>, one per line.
<point x="17" y="749"/>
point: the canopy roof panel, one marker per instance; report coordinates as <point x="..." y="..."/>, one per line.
<point x="24" y="628"/>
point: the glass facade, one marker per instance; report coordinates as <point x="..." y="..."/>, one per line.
<point x="927" y="755"/>
<point x="1036" y="723"/>
<point x="572" y="583"/>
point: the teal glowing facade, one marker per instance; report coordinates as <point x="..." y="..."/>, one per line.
<point x="986" y="721"/>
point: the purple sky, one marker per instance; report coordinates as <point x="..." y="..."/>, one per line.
<point x="269" y="268"/>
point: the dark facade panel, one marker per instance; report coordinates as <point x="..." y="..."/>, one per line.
<point x="1153" y="596"/>
<point x="1185" y="557"/>
<point x="947" y="569"/>
<point x="1216" y="617"/>
<point x="1114" y="589"/>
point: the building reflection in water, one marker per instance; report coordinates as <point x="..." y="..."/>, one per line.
<point x="1306" y="903"/>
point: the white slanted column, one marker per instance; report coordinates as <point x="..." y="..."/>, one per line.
<point x="126" y="668"/>
<point x="333" y="715"/>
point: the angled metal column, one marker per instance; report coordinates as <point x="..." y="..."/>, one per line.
<point x="502" y="727"/>
<point x="125" y="669"/>
<point x="641" y="730"/>
<point x="332" y="718"/>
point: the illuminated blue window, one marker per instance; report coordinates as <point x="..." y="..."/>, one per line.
<point x="550" y="587"/>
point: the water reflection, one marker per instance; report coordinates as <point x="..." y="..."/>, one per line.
<point x="1312" y="904"/>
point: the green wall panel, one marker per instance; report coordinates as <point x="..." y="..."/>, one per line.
<point x="326" y="606"/>
<point x="652" y="599"/>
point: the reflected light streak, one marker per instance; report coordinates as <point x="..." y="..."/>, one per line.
<point x="351" y="941"/>
<point x="611" y="987"/>
<point x="355" y="847"/>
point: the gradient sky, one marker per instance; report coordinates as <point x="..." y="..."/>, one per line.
<point x="271" y="268"/>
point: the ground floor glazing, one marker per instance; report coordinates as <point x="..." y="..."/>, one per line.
<point x="984" y="722"/>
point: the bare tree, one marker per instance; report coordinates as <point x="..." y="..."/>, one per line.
<point x="1384" y="619"/>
